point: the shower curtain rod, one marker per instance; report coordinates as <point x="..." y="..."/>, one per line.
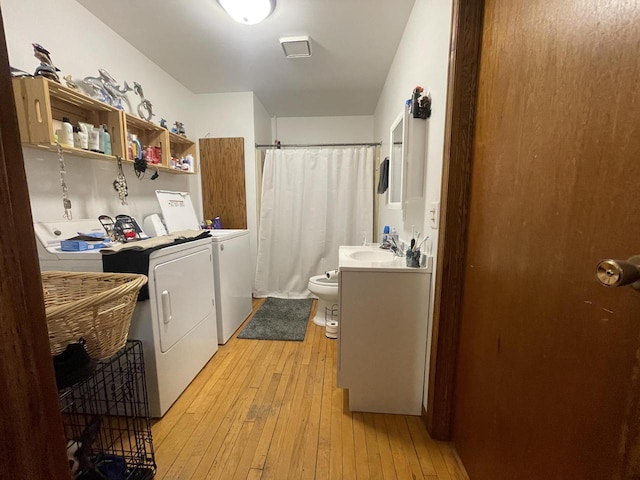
<point x="302" y="145"/>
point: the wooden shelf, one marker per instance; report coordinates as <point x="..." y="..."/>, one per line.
<point x="140" y="124"/>
<point x="148" y="134"/>
<point x="76" y="97"/>
<point x="181" y="147"/>
<point x="72" y="151"/>
<point x="175" y="170"/>
<point x="41" y="103"/>
<point x="179" y="139"/>
<point x="161" y="168"/>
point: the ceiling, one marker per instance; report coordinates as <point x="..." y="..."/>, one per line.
<point x="195" y="41"/>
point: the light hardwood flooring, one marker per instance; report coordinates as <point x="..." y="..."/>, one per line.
<point x="271" y="410"/>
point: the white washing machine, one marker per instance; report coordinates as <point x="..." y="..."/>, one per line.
<point x="233" y="280"/>
<point x="231" y="262"/>
<point x="177" y="325"/>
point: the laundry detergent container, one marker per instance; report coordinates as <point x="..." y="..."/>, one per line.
<point x="326" y="289"/>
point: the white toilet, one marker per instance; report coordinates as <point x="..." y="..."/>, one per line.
<point x="327" y="292"/>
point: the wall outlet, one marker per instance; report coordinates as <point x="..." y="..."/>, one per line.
<point x="434" y="215"/>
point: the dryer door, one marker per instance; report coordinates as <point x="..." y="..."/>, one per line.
<point x="184" y="295"/>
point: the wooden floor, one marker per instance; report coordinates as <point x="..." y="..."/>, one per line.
<point x="271" y="410"/>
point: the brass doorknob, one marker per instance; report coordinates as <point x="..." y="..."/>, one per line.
<point x="618" y="273"/>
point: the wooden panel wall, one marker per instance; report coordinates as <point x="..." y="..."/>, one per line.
<point x="223" y="182"/>
<point x="32" y="444"/>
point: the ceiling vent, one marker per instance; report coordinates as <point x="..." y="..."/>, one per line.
<point x="296" y="47"/>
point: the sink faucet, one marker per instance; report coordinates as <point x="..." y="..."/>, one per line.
<point x="390" y="244"/>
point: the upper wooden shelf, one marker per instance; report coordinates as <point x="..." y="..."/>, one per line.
<point x="139" y="123"/>
<point x="174" y="138"/>
<point x="42" y="103"/>
<point x="75" y="97"/>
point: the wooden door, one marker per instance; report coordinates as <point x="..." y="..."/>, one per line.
<point x="223" y="182"/>
<point x="32" y="443"/>
<point x="548" y="373"/>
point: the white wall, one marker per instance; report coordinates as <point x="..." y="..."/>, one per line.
<point x="422" y="59"/>
<point x="313" y="130"/>
<point x="262" y="123"/>
<point x="80" y="44"/>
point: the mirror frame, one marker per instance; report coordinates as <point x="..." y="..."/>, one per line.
<point x="392" y="160"/>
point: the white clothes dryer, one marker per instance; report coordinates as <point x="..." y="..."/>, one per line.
<point x="231" y="262"/>
<point x="177" y="325"/>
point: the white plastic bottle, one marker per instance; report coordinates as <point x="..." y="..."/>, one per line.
<point x="66" y="133"/>
<point x="94" y="140"/>
<point x="84" y="136"/>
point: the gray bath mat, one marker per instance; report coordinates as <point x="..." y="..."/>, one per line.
<point x="279" y="319"/>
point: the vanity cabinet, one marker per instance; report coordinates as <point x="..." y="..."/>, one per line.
<point x="41" y="105"/>
<point x="382" y="336"/>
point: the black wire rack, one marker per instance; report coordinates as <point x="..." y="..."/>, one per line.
<point x="114" y="400"/>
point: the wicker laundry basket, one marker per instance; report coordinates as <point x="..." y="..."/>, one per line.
<point x="94" y="306"/>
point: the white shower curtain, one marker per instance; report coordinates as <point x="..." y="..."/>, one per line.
<point x="313" y="201"/>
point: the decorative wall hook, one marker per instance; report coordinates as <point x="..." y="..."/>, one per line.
<point x="145" y="109"/>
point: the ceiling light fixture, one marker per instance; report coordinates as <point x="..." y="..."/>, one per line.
<point x="296" y="47"/>
<point x="248" y="12"/>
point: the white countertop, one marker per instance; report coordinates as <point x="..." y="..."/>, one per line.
<point x="396" y="264"/>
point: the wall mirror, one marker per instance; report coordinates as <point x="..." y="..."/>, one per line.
<point x="396" y="163"/>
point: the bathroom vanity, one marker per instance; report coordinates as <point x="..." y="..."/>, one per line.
<point x="384" y="307"/>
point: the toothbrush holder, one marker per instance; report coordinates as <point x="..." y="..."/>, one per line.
<point x="413" y="258"/>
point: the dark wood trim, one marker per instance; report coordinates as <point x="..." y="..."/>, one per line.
<point x="32" y="441"/>
<point x="464" y="63"/>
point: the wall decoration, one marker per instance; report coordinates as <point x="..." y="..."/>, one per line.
<point x="105" y="88"/>
<point x="179" y="129"/>
<point x="120" y="183"/>
<point x="420" y="103"/>
<point x="70" y="83"/>
<point x="46" y="68"/>
<point x="145" y="109"/>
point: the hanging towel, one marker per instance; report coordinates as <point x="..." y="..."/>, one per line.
<point x="383" y="181"/>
